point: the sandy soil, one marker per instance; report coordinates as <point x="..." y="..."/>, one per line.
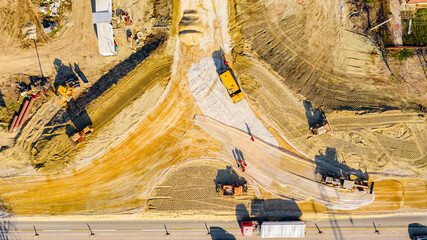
<point x="389" y="142"/>
<point x="212" y="98"/>
<point x="281" y="172"/>
<point x="315" y="56"/>
<point x="162" y="137"/>
<point x="190" y="188"/>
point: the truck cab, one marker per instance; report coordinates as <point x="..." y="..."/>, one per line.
<point x="247" y="228"/>
<point x="232" y="86"/>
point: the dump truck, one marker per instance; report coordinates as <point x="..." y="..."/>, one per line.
<point x="322" y="126"/>
<point x="351" y="183"/>
<point x="78" y="136"/>
<point x="232" y="86"/>
<point x="232" y="190"/>
<point x="286" y="229"/>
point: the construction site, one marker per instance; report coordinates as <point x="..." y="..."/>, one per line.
<point x="209" y="109"/>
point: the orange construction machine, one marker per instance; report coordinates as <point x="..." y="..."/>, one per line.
<point x="232" y="190"/>
<point x="77" y="137"/>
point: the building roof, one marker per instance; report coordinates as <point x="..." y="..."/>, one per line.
<point x="416" y="1"/>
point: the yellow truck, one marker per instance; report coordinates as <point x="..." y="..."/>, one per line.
<point x="232" y="86"/>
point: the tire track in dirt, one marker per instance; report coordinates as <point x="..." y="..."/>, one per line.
<point x="301" y="46"/>
<point x="275" y="169"/>
<point x="267" y="94"/>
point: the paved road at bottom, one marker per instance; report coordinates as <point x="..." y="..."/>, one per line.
<point x="395" y="227"/>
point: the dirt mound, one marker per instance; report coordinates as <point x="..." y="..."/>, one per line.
<point x="317" y="58"/>
<point x="192" y="187"/>
<point x="17" y="14"/>
<point x="190" y="28"/>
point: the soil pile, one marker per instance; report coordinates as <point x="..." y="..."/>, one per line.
<point x="327" y="64"/>
<point x="190" y="28"/>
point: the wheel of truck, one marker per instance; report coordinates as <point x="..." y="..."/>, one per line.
<point x="245" y="188"/>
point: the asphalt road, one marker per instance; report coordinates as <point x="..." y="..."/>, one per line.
<point x="396" y="227"/>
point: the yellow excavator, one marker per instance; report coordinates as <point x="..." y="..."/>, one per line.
<point x="65" y="93"/>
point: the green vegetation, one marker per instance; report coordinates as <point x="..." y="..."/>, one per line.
<point x="393" y="79"/>
<point x="418" y="36"/>
<point x="53" y="33"/>
<point x="402" y="54"/>
<point x="14" y="106"/>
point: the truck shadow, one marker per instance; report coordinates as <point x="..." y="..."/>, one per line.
<point x="416" y="229"/>
<point x="263" y="210"/>
<point x="219" y="60"/>
<point x="218" y="233"/>
<point x="221" y="67"/>
<point x="328" y="163"/>
<point x="314" y="115"/>
<point x="228" y="176"/>
<point x="79" y="122"/>
<point x="64" y="73"/>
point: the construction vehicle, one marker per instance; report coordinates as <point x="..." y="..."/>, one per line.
<point x="232" y="86"/>
<point x="322" y="126"/>
<point x="232" y="190"/>
<point x="288" y="229"/>
<point x="351" y="183"/>
<point x="77" y="137"/>
<point x="65" y="93"/>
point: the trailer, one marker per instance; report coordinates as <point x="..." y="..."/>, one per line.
<point x="348" y="183"/>
<point x="286" y="229"/>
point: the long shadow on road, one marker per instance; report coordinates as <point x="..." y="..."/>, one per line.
<point x="416" y="229"/>
<point x="218" y="233"/>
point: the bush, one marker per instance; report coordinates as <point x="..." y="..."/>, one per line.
<point x="402" y="54"/>
<point x="418" y="36"/>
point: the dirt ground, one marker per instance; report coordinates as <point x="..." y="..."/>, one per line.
<point x="316" y="57"/>
<point x="147" y="133"/>
<point x="362" y="138"/>
<point x="191" y="188"/>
